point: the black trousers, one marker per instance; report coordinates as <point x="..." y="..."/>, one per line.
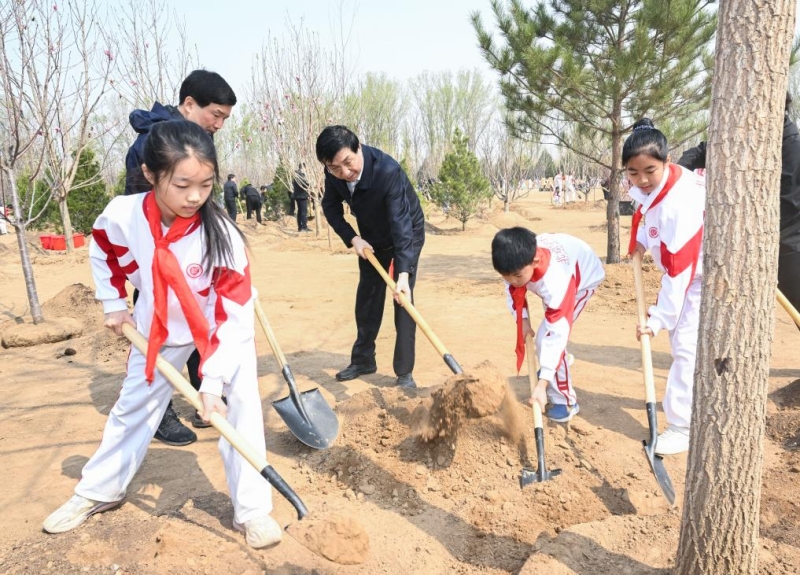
<point x="370" y="300"/>
<point x="253" y="205"/>
<point x="230" y="207"/>
<point x="291" y="204"/>
<point x="789" y="277"/>
<point x="302" y="215"/>
<point x="192" y="364"/>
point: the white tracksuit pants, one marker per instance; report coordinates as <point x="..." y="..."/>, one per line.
<point x="560" y="391"/>
<point x="134" y="420"/>
<point x="683" y="342"/>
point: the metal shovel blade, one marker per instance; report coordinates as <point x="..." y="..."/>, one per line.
<point x="307" y="415"/>
<point x="655" y="461"/>
<point x="541" y="474"/>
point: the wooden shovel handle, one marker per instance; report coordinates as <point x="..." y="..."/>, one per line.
<point x="644" y="341"/>
<point x="192" y="396"/>
<point x="533" y="369"/>
<point x="787" y="305"/>
<point x="273" y="341"/>
<point x="407" y="305"/>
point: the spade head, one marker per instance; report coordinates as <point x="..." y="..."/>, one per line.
<point x="660" y="472"/>
<point x="530" y="476"/>
<point x="309" y="417"/>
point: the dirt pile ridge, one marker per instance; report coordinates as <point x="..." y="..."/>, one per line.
<point x="338" y="539"/>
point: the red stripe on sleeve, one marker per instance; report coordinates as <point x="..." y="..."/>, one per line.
<point x="688" y="255"/>
<point x="232" y="285"/>
<point x="567" y="307"/>
<point x="113" y="252"/>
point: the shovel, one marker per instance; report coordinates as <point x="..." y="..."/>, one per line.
<point x="412" y="311"/>
<point x="655" y="461"/>
<point x="787" y="305"/>
<point x="541" y="474"/>
<point x="220" y="423"/>
<point x="307" y="415"/>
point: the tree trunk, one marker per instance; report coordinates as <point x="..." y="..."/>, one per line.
<point x="719" y="529"/>
<point x="24" y="256"/>
<point x="612" y="209"/>
<point x="66" y="223"/>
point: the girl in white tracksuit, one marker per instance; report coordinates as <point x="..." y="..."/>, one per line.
<point x="189" y="263"/>
<point x="669" y="224"/>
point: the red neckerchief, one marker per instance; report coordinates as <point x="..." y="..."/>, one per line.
<point x="520" y="303"/>
<point x="674" y="175"/>
<point x="167" y="273"/>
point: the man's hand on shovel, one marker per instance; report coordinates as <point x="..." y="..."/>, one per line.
<point x="360" y="245"/>
<point x="402" y="287"/>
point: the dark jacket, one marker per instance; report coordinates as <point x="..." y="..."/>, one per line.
<point x="790" y="188"/>
<point x="790" y="182"/>
<point x="299" y="185"/>
<point x="694" y="158"/>
<point x="229" y="191"/>
<point x="385" y="205"/>
<point x="250" y="192"/>
<point x="141" y="121"/>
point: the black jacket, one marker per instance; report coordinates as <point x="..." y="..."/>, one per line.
<point x="229" y="191"/>
<point x="694" y="158"/>
<point x="299" y="185"/>
<point x="142" y="121"/>
<point x="250" y="192"/>
<point x="385" y="205"/>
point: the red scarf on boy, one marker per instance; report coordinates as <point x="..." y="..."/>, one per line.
<point x="520" y="302"/>
<point x="167" y="273"/>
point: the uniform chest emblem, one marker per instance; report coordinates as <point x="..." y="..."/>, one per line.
<point x="653" y="232"/>
<point x="194" y="270"/>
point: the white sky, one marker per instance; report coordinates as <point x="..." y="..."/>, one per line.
<point x="399" y="37"/>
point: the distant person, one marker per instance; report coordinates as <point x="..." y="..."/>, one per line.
<point x="252" y="199"/>
<point x="229" y="194"/>
<point x="390" y="224"/>
<point x="206" y="99"/>
<point x="564" y="272"/>
<point x="300" y="197"/>
<point x="558" y="185"/>
<point x="672" y="201"/>
<point x="5" y="217"/>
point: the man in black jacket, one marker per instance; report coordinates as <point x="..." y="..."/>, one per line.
<point x="252" y="199"/>
<point x="391" y="224"/>
<point x="300" y="197"/>
<point x="229" y="194"/>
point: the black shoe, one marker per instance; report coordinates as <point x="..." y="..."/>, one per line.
<point x="197" y="421"/>
<point x="353" y="370"/>
<point x="172" y="432"/>
<point x="406" y="381"/>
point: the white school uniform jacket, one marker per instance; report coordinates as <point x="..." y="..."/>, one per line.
<point x="573" y="267"/>
<point x="123" y="248"/>
<point x="672" y="231"/>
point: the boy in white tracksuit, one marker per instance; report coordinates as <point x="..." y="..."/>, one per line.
<point x="669" y="224"/>
<point x="564" y="272"/>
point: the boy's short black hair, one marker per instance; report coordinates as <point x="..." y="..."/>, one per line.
<point x="231" y="176"/>
<point x="333" y="139"/>
<point x="206" y="88"/>
<point x="513" y="249"/>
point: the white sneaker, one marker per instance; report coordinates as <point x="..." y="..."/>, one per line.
<point x="674" y="440"/>
<point x="260" y="532"/>
<point x="74" y="512"/>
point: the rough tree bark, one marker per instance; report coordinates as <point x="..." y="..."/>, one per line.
<point x="719" y="530"/>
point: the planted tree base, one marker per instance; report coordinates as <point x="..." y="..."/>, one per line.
<point x="50" y="331"/>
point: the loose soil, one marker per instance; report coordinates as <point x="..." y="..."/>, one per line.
<point x="451" y="504"/>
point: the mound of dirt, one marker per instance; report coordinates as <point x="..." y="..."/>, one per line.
<point x="76" y="300"/>
<point x="475" y="394"/>
<point x="338" y="539"/>
<point x="617" y="292"/>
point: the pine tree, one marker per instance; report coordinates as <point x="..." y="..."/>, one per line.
<point x="87" y="199"/>
<point x="461" y="187"/>
<point x="593" y="67"/>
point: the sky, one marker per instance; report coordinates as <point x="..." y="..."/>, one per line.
<point x="401" y="38"/>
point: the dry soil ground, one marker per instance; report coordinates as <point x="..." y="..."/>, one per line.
<point x="444" y="507"/>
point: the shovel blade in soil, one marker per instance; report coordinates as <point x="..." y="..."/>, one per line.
<point x="540" y="475"/>
<point x="309" y="417"/>
<point x="660" y="473"/>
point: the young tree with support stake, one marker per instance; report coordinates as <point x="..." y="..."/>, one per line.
<point x="597" y="67"/>
<point x="719" y="530"/>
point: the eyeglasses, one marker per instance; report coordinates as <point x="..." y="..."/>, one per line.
<point x="346" y="165"/>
